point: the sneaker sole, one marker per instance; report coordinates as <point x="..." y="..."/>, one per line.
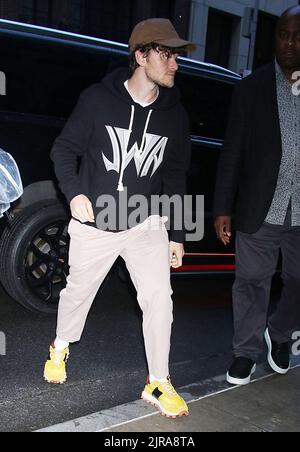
<point x="240" y="381"/>
<point x="52" y="382"/>
<point x="154" y="402"/>
<point x="271" y="362"/>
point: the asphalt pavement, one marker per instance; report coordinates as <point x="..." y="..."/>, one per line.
<point x="108" y="367"/>
<point x="269" y="404"/>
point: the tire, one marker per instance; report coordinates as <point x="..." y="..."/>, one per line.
<point x="34" y="256"/>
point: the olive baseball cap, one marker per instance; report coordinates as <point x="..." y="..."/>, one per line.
<point x="159" y="31"/>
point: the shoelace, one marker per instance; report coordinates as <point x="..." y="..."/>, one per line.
<point x="58" y="357"/>
<point x="167" y="386"/>
<point x="282" y="348"/>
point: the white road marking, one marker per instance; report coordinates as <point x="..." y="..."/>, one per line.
<point x="138" y="410"/>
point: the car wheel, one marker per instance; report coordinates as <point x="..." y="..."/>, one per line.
<point x="34" y="256"/>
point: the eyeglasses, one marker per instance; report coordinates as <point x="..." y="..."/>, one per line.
<point x="166" y="54"/>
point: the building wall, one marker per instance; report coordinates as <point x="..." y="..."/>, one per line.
<point x="108" y="19"/>
<point x="114" y="19"/>
<point x="240" y="45"/>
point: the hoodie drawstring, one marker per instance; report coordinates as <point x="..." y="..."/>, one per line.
<point x="120" y="184"/>
<point x="145" y="130"/>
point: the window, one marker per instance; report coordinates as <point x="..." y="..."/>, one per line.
<point x="219" y="37"/>
<point x="46" y="78"/>
<point x="265" y="38"/>
<point x="207" y="103"/>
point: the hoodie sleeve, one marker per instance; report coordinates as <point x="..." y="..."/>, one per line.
<point x="175" y="173"/>
<point x="71" y="144"/>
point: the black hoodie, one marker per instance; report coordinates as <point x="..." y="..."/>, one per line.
<point x="152" y="159"/>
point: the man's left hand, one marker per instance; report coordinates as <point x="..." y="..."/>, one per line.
<point x="176" y="254"/>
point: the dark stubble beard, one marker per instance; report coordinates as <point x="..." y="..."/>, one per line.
<point x="158" y="83"/>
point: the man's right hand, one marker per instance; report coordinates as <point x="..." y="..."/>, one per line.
<point x="82" y="209"/>
<point x="223" y="229"/>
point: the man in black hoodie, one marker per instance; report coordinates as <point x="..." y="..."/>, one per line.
<point x="132" y="135"/>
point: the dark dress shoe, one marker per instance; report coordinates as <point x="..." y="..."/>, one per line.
<point x="241" y="371"/>
<point x="278" y="355"/>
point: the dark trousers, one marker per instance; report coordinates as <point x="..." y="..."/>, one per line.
<point x="256" y="260"/>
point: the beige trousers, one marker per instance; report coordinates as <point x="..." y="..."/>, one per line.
<point x="146" y="254"/>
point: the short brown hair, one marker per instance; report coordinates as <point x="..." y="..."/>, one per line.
<point x="146" y="49"/>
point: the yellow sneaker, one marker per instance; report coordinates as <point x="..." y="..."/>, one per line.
<point x="55" y="367"/>
<point x="164" y="397"/>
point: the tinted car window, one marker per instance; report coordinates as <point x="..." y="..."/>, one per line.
<point x="207" y="102"/>
<point x="46" y="78"/>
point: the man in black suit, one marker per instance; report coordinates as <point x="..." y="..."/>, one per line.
<point x="259" y="184"/>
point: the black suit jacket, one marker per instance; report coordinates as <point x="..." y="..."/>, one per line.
<point x="250" y="160"/>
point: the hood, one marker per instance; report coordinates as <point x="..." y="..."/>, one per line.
<point x="114" y="82"/>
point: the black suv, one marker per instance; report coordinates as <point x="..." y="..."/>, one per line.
<point x="45" y="72"/>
